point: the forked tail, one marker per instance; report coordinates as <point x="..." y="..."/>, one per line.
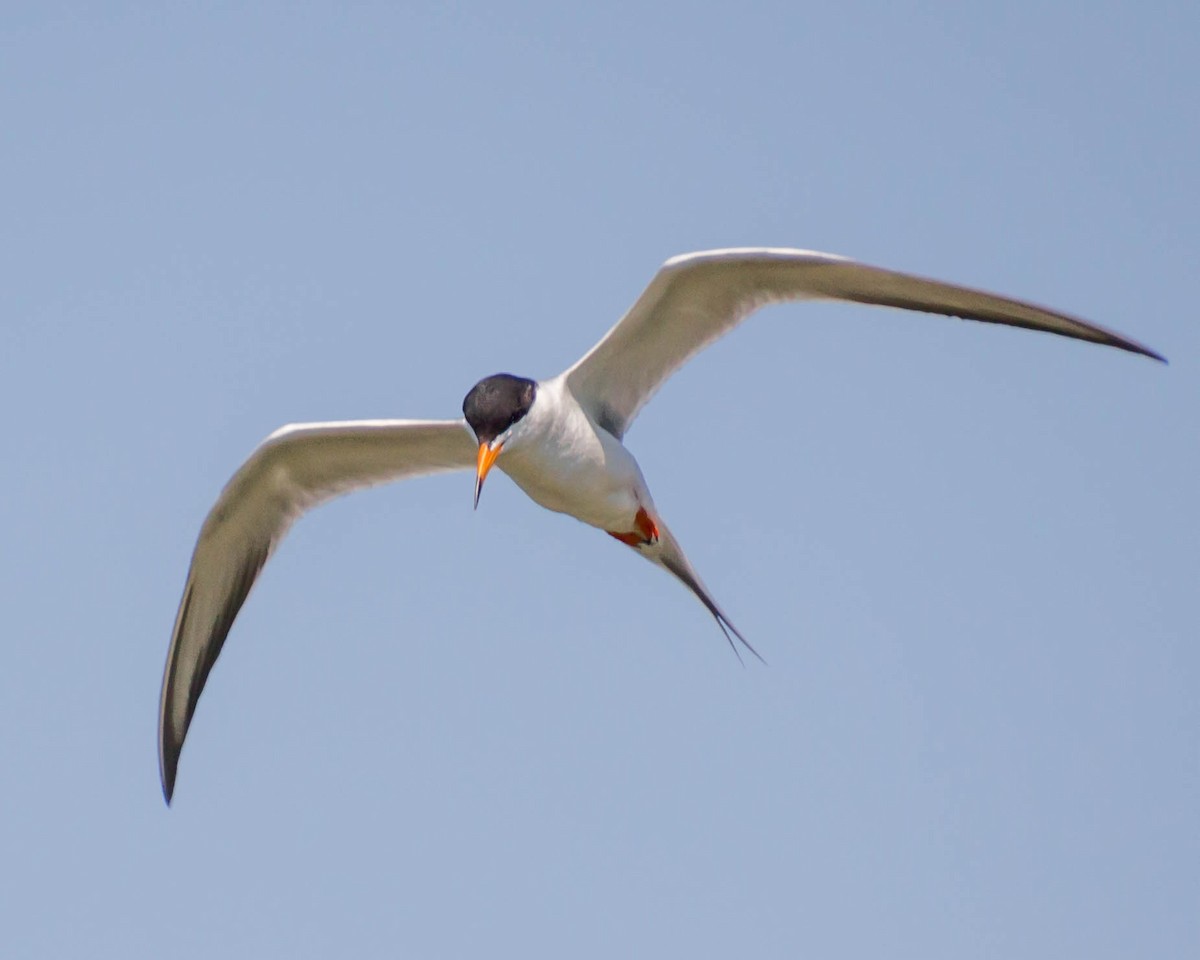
<point x="668" y="554"/>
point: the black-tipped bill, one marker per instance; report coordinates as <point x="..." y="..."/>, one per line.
<point x="488" y="452"/>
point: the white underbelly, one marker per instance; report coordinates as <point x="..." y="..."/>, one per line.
<point x="593" y="479"/>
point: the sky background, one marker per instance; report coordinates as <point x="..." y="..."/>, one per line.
<point x="971" y="555"/>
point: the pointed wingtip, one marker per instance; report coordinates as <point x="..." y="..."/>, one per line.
<point x="168" y="763"/>
<point x="1132" y="346"/>
<point x="1145" y="351"/>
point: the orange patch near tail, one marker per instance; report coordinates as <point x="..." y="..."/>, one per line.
<point x="645" y="534"/>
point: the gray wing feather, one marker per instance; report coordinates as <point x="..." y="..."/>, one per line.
<point x="292" y="471"/>
<point x="698" y="297"/>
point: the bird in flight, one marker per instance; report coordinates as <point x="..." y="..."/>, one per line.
<point x="560" y="440"/>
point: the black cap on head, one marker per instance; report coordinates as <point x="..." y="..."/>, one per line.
<point x="495" y="403"/>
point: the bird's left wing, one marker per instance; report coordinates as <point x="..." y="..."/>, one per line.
<point x="292" y="471"/>
<point x="698" y="297"/>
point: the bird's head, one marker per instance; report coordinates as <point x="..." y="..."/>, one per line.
<point x="495" y="408"/>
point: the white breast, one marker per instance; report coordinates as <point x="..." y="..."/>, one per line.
<point x="568" y="464"/>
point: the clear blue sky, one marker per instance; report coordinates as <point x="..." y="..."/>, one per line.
<point x="971" y="555"/>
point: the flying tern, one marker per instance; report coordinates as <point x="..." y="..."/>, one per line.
<point x="559" y="439"/>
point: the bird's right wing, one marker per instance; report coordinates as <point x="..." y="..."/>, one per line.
<point x="292" y="471"/>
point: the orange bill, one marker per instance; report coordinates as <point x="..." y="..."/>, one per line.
<point x="483" y="463"/>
